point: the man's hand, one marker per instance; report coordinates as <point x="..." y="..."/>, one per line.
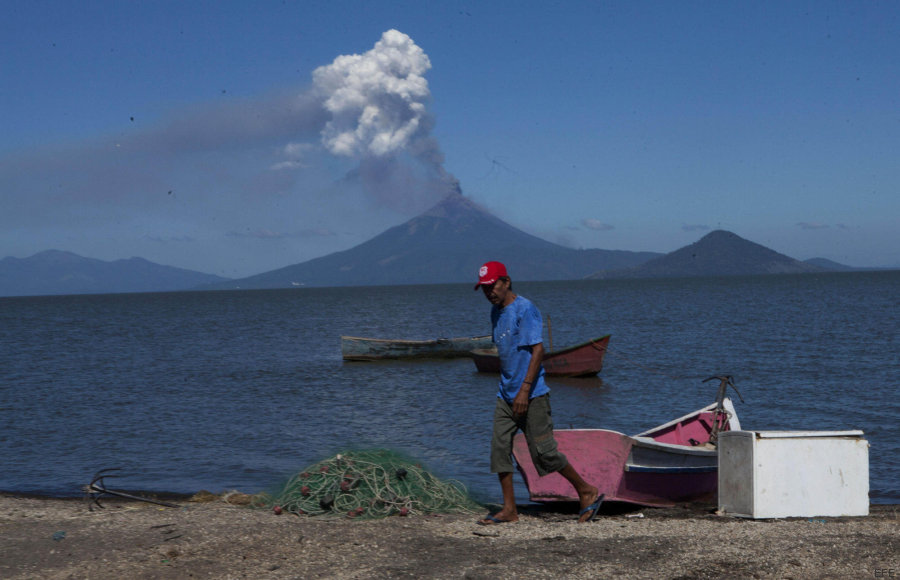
<point x="520" y="403"/>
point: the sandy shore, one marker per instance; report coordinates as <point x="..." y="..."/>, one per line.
<point x="56" y="538"/>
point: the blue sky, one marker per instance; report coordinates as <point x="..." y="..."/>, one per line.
<point x="200" y="134"/>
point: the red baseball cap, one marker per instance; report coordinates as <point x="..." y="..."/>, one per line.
<point x="490" y="272"/>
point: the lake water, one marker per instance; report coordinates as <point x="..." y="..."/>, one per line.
<point x="238" y="390"/>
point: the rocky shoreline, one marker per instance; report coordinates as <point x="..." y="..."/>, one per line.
<point x="63" y="538"/>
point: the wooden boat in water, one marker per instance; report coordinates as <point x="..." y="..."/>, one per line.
<point x="581" y="360"/>
<point x="366" y="349"/>
<point x="673" y="463"/>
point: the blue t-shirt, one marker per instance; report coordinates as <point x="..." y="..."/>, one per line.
<point x="517" y="328"/>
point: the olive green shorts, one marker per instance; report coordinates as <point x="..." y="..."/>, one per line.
<point x="537" y="425"/>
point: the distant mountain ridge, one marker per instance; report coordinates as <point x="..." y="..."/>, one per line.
<point x="446" y="244"/>
<point x="718" y="253"/>
<point x="836" y="267"/>
<point x="59" y="272"/>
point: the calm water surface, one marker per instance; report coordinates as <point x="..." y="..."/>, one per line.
<point x="238" y="390"/>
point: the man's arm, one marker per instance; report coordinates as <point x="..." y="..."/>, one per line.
<point x="520" y="403"/>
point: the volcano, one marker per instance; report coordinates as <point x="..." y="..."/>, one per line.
<point x="445" y="244"/>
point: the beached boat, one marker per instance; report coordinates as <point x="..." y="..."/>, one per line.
<point x="673" y="463"/>
<point x="365" y="349"/>
<point x="581" y="360"/>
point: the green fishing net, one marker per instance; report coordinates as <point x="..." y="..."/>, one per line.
<point x="368" y="484"/>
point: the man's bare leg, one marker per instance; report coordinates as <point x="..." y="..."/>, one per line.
<point x="509" y="512"/>
<point x="587" y="493"/>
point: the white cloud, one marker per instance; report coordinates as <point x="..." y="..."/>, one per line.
<point x="294" y="155"/>
<point x="597" y="225"/>
<point x="376" y="99"/>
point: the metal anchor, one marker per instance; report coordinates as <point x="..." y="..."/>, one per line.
<point x="720" y="415"/>
<point x="97" y="487"/>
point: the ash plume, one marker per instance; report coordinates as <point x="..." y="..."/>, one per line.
<point x="377" y="102"/>
<point x="192" y="167"/>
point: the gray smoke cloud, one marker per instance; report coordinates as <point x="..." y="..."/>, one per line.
<point x="235" y="164"/>
<point x="377" y="102"/>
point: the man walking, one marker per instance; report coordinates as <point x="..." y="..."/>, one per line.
<point x="523" y="400"/>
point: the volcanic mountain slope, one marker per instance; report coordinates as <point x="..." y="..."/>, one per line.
<point x="445" y="244"/>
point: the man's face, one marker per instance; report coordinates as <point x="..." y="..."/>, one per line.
<point x="498" y="293"/>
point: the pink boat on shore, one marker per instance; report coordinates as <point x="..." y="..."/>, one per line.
<point x="673" y="463"/>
